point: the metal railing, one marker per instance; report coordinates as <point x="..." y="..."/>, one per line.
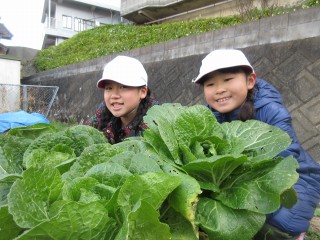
<point x="77" y="25"/>
<point x="29" y="98"/>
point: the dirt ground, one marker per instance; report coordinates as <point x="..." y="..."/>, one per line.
<point x="314" y="230"/>
<point x="315" y="224"/>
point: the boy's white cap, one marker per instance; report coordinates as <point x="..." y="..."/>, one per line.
<point x="222" y="58"/>
<point x="125" y="70"/>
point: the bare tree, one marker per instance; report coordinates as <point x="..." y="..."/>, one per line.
<point x="271" y="4"/>
<point x="246" y="8"/>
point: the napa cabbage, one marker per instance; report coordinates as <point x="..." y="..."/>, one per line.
<point x="187" y="177"/>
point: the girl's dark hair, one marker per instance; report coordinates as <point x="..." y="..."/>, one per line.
<point x="247" y="110"/>
<point x="107" y="116"/>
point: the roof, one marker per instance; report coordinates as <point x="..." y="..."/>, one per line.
<point x="107" y="4"/>
<point x="4" y="32"/>
<point x="104" y="4"/>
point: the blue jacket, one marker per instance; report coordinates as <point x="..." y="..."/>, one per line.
<point x="270" y="109"/>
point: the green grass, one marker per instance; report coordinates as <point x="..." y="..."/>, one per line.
<point x="109" y="39"/>
<point x="314" y="234"/>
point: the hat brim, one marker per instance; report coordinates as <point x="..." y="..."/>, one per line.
<point x="101" y="83"/>
<point x="199" y="78"/>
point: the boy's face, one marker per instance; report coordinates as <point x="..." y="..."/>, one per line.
<point x="226" y="92"/>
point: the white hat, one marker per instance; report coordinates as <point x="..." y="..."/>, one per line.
<point x="222" y="58"/>
<point x="124" y="70"/>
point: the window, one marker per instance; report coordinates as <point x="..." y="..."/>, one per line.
<point x="67" y="21"/>
<point x="82" y="24"/>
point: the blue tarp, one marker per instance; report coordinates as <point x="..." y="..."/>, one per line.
<point x="20" y="119"/>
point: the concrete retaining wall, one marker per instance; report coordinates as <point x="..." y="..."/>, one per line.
<point x="285" y="50"/>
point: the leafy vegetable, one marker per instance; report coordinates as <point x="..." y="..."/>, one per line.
<point x="29" y="207"/>
<point x="9" y="228"/>
<point x="188" y="177"/>
<point x="234" y="163"/>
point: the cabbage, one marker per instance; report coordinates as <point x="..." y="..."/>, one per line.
<point x="188" y="177"/>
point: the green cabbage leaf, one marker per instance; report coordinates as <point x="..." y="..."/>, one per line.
<point x="187" y="177"/>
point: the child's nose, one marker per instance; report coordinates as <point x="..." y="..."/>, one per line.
<point x="115" y="93"/>
<point x="220" y="88"/>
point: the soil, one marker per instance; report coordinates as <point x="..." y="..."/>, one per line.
<point x="315" y="224"/>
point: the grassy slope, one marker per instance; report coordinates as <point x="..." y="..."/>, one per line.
<point x="109" y="39"/>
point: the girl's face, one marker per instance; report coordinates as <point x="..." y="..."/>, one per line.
<point x="123" y="101"/>
<point x="226" y="92"/>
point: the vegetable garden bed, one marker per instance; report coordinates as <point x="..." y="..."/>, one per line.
<point x="188" y="177"/>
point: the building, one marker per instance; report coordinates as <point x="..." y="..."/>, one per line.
<point x="158" y="11"/>
<point x="65" y="18"/>
<point x="9" y="65"/>
<point x="4" y="34"/>
<point x="9" y="74"/>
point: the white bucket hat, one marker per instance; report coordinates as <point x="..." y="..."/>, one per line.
<point x="222" y="58"/>
<point x="124" y="70"/>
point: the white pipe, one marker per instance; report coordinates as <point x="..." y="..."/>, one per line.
<point x="49" y="13"/>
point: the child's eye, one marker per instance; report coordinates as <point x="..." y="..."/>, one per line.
<point x="107" y="88"/>
<point x="210" y="85"/>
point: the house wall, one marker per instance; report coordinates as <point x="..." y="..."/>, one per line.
<point x="225" y="9"/>
<point x="217" y="8"/>
<point x="56" y="32"/>
<point x="85" y="12"/>
<point x="9" y="70"/>
<point x="284" y="50"/>
<point x="9" y="75"/>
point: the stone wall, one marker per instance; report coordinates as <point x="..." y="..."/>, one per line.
<point x="292" y="67"/>
<point x="284" y="50"/>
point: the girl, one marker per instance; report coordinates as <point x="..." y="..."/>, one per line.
<point x="126" y="100"/>
<point x="233" y="92"/>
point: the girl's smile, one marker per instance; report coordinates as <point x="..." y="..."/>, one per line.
<point x="123" y="101"/>
<point x="226" y="92"/>
<point x="223" y="100"/>
<point x="116" y="106"/>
